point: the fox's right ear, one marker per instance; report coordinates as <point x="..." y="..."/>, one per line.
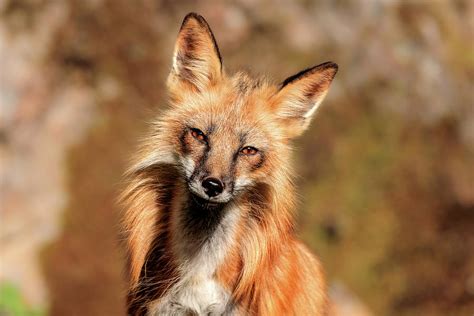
<point x="196" y="60"/>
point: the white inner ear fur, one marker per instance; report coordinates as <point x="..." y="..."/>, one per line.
<point x="201" y="69"/>
<point x="295" y="106"/>
<point x="315" y="106"/>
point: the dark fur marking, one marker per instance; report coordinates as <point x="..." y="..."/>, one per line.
<point x="157" y="273"/>
<point x="242" y="86"/>
<point x="258" y="198"/>
<point x="235" y="157"/>
<point x="232" y="169"/>
<point x="182" y="140"/>
<point x="243" y="138"/>
<point x="246" y="85"/>
<point x="260" y="162"/>
<point x="314" y="88"/>
<point x="257" y="83"/>
<point x="189" y="39"/>
<point x="202" y="162"/>
<point x="200" y="220"/>
<point x="184" y="72"/>
<point x="211" y="129"/>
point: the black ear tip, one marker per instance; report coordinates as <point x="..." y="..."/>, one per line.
<point x="329" y="65"/>
<point x="194" y="16"/>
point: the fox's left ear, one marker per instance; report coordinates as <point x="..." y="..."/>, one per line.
<point x="196" y="60"/>
<point x="300" y="96"/>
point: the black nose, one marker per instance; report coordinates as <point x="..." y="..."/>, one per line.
<point x="212" y="187"/>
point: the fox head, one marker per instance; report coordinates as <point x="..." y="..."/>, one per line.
<point x="230" y="133"/>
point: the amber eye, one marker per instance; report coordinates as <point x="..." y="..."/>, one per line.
<point x="198" y="134"/>
<point x="249" y="150"/>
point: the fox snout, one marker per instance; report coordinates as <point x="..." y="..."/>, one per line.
<point x="206" y="184"/>
<point x="212" y="187"/>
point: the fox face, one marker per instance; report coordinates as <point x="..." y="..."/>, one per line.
<point x="229" y="133"/>
<point x="222" y="154"/>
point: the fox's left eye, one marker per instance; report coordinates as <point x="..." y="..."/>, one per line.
<point x="198" y="134"/>
<point x="249" y="150"/>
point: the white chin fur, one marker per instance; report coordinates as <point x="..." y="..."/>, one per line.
<point x="188" y="165"/>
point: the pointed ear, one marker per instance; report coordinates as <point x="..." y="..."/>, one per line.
<point x="196" y="61"/>
<point x="300" y="96"/>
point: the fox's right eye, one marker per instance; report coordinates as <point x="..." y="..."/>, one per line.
<point x="198" y="134"/>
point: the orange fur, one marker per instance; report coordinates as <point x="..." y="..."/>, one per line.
<point x="266" y="270"/>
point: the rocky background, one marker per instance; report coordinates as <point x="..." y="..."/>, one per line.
<point x="386" y="170"/>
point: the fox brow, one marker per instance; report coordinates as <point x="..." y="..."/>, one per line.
<point x="246" y="83"/>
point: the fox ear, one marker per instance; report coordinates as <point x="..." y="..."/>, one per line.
<point x="196" y="60"/>
<point x="300" y="96"/>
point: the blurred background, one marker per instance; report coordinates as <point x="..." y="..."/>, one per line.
<point x="386" y="170"/>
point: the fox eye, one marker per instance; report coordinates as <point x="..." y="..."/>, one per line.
<point x="249" y="150"/>
<point x="198" y="134"/>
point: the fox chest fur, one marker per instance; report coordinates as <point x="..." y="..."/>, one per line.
<point x="199" y="295"/>
<point x="200" y="248"/>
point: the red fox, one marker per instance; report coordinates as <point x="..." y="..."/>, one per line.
<point x="210" y="198"/>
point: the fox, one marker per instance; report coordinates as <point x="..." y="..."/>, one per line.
<point x="210" y="199"/>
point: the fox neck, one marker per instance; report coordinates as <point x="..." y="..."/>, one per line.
<point x="200" y="235"/>
<point x="199" y="222"/>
